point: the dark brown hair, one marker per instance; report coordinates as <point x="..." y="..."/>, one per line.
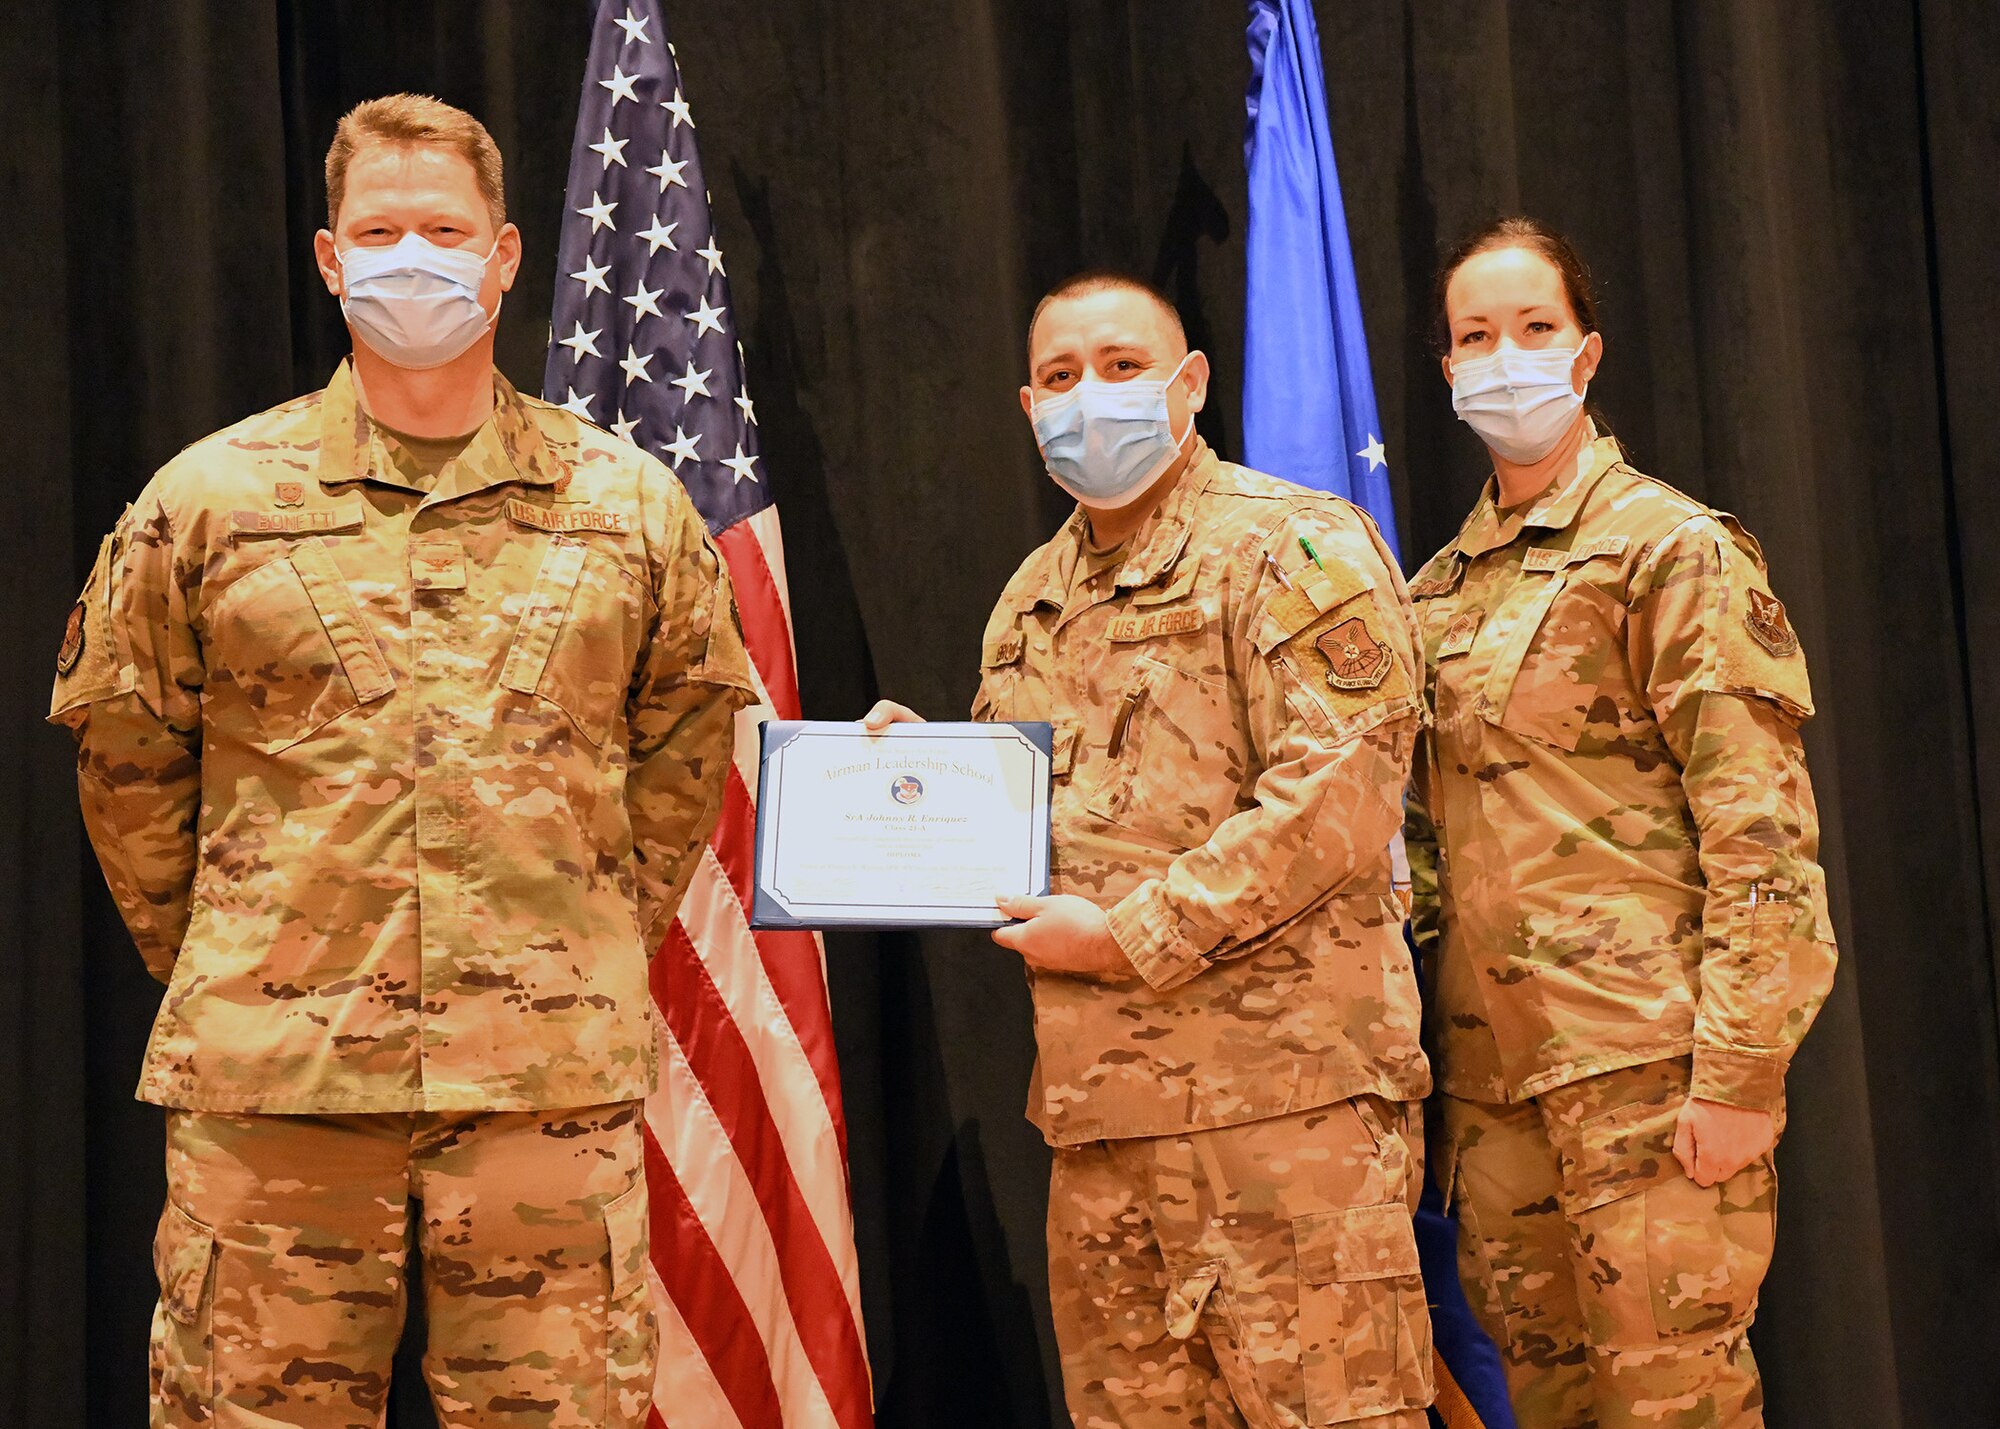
<point x="1518" y="231"/>
<point x="1096" y="280"/>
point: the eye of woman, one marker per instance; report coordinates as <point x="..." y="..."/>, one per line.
<point x="1467" y="338"/>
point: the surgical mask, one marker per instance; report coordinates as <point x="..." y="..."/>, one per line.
<point x="414" y="303"/>
<point x="1519" y="400"/>
<point x="1105" y="442"/>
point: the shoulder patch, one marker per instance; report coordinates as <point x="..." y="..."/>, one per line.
<point x="1767" y="622"/>
<point x="71" y="650"/>
<point x="1355" y="659"/>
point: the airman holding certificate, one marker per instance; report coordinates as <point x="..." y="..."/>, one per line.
<point x="1225" y="1011"/>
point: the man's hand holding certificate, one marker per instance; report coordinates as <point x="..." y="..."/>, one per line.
<point x="900" y="825"/>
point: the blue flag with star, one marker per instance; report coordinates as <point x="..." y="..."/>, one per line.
<point x="1308" y="398"/>
<point x="642" y="340"/>
<point x="1309" y="416"/>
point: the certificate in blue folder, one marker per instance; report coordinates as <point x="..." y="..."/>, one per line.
<point x="921" y="826"/>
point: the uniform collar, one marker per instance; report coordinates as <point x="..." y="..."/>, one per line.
<point x="1151" y="552"/>
<point x="507" y="447"/>
<point x="1158" y="543"/>
<point x="1554" y="510"/>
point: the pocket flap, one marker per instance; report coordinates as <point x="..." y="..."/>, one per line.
<point x="1187" y="1295"/>
<point x="183" y="1250"/>
<point x="625" y="1227"/>
<point x="1179" y="586"/>
<point x="1313" y="593"/>
<point x="331" y="597"/>
<point x="548" y="601"/>
<point x="1361" y="1243"/>
<point x="1617" y="1153"/>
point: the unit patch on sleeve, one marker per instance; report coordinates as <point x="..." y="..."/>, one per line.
<point x="1355" y="659"/>
<point x="1767" y="622"/>
<point x="72" y="641"/>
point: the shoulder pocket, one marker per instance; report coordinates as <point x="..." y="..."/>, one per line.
<point x="290" y="641"/>
<point x="89" y="667"/>
<point x="1340" y="661"/>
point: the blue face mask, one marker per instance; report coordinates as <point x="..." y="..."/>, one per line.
<point x="1105" y="442"/>
<point x="415" y="304"/>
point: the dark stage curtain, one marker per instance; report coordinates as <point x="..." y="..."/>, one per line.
<point x="1791" y="212"/>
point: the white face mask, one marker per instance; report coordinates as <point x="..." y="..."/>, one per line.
<point x="1106" y="442"/>
<point x="1519" y="400"/>
<point x="414" y="303"/>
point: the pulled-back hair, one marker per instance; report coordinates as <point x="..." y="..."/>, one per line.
<point x="415" y="119"/>
<point x="1517" y="231"/>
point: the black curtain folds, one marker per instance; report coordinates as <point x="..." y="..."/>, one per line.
<point x="1790" y="213"/>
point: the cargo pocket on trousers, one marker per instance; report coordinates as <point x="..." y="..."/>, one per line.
<point x="182" y="1359"/>
<point x="630" y="1338"/>
<point x="1707" y="1249"/>
<point x="1645" y="1236"/>
<point x="1364" y="1328"/>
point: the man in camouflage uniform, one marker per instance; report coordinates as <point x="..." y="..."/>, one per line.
<point x="398" y="750"/>
<point x="1225" y="1010"/>
<point x="1613" y="838"/>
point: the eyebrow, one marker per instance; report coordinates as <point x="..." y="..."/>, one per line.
<point x="1518" y="312"/>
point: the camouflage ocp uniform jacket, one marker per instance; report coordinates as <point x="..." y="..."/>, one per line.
<point x="397" y="788"/>
<point x="1612" y="833"/>
<point x="1233" y="726"/>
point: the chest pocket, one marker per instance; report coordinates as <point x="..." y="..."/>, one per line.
<point x="290" y="640"/>
<point x="1160" y="777"/>
<point x="578" y="641"/>
<point x="1558" y="648"/>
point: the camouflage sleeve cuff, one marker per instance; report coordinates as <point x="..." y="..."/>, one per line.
<point x="1745" y="1079"/>
<point x="1152" y="936"/>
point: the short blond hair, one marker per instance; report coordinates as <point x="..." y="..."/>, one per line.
<point x="415" y="119"/>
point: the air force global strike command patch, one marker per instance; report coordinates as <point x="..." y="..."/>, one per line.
<point x="72" y="641"/>
<point x="1355" y="659"/>
<point x="1766" y="619"/>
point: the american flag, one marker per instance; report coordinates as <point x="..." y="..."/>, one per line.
<point x="753" y="1245"/>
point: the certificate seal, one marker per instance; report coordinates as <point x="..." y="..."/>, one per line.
<point x="906" y="789"/>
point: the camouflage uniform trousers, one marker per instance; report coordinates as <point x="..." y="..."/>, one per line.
<point x="1619" y="1292"/>
<point x="281" y="1260"/>
<point x="1263" y="1274"/>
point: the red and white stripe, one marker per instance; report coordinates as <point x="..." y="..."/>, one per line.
<point x="756" y="1287"/>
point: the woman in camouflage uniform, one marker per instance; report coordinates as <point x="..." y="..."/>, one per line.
<point x="1614" y="846"/>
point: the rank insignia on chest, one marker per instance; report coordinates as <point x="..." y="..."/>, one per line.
<point x="72" y="641"/>
<point x="1458" y="635"/>
<point x="290" y="493"/>
<point x="1355" y="659"/>
<point x="1767" y="622"/>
